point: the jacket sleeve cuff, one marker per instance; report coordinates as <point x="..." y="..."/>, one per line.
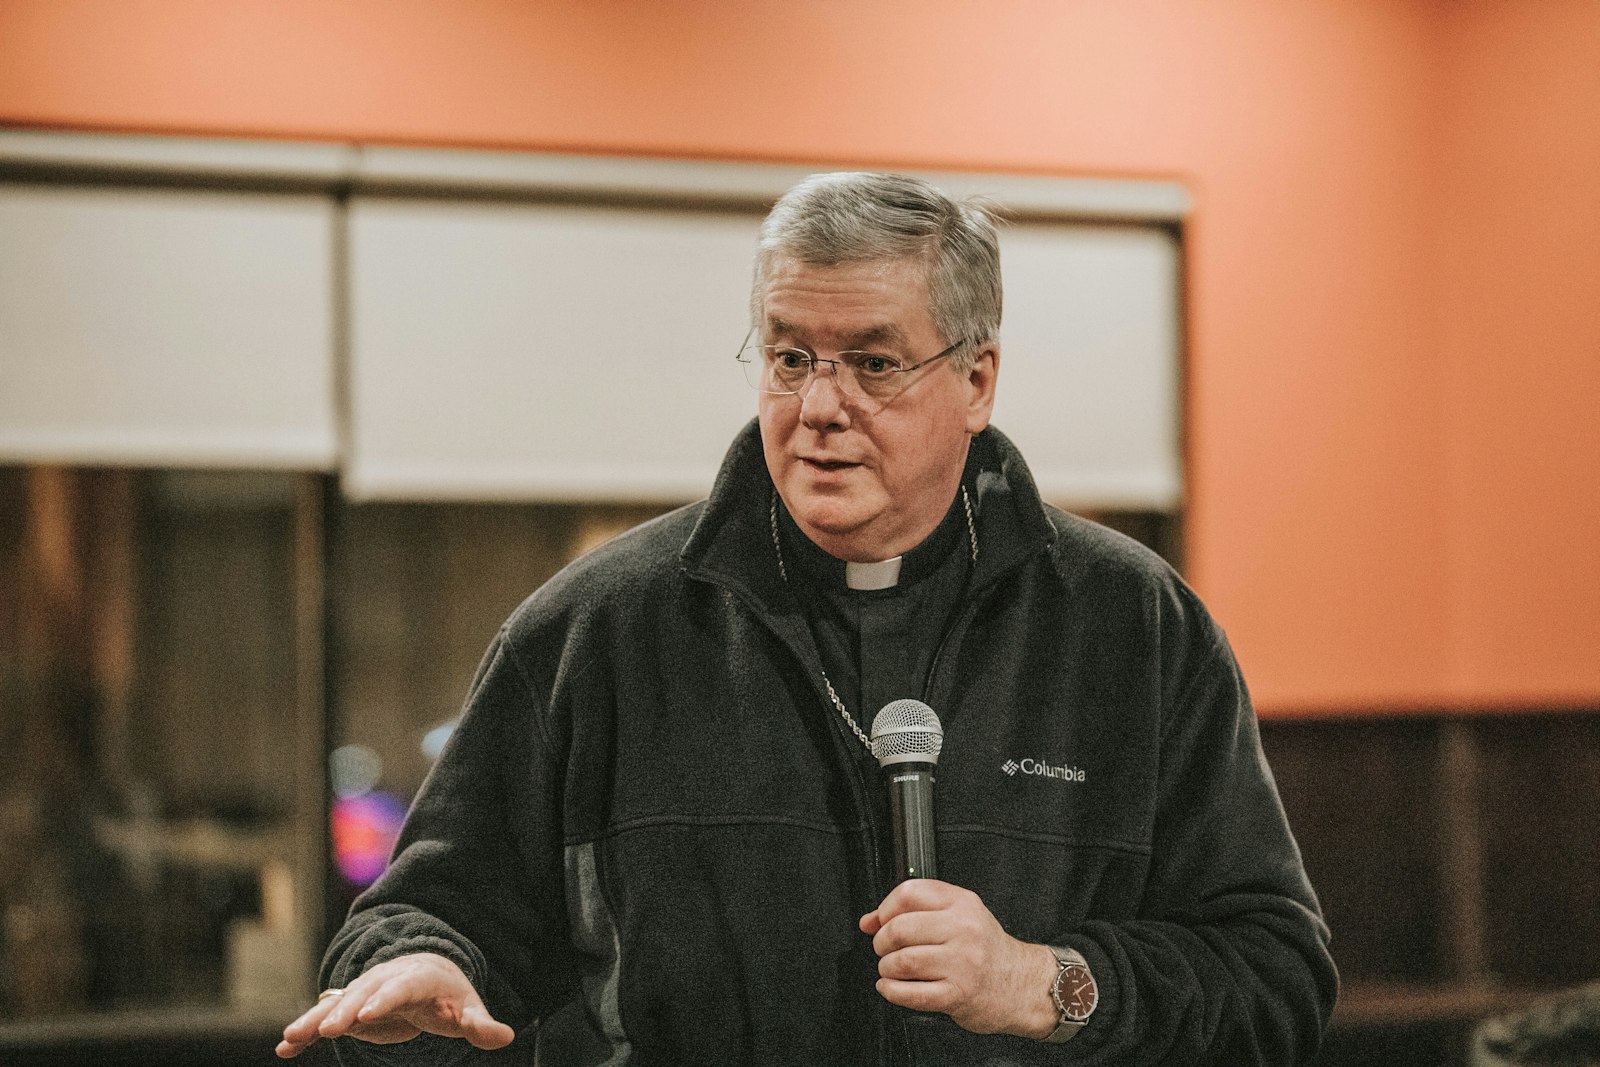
<point x="404" y="935"/>
<point x="424" y="1049"/>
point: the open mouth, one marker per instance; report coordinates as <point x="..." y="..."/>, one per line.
<point x="828" y="464"/>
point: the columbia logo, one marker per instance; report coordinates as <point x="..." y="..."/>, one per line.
<point x="1039" y="768"/>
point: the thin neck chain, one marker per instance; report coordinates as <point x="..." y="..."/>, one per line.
<point x="783" y="572"/>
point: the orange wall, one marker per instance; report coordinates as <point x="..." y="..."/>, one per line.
<point x="1519" y="266"/>
<point x="1394" y="357"/>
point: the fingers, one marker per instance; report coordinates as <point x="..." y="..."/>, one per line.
<point x="921" y="894"/>
<point x="288" y="1050"/>
<point x="941" y="949"/>
<point x="917" y="995"/>
<point x="397" y="1000"/>
<point x="304" y="1031"/>
<point x="421" y="993"/>
<point x="926" y="912"/>
<point x="915" y="928"/>
<point x="914" y="894"/>
<point x="912" y="933"/>
<point x="482" y="1030"/>
<point x="378" y="995"/>
<point x="361" y="1012"/>
<point x="915" y="962"/>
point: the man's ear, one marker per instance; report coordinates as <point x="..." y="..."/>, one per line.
<point x="980" y="385"/>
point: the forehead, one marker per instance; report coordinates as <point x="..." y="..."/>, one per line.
<point x="866" y="301"/>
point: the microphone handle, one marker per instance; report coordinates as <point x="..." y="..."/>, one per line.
<point x="911" y="814"/>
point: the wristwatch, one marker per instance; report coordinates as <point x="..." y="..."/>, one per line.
<point x="1073" y="991"/>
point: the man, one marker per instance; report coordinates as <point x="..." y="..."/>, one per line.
<point x="658" y="836"/>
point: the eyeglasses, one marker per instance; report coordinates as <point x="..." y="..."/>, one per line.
<point x="781" y="370"/>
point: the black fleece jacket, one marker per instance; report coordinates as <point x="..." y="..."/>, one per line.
<point x="651" y="836"/>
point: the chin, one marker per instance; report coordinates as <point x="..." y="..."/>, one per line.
<point x="833" y="522"/>
<point x="826" y="518"/>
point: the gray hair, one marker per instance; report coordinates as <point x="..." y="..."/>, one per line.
<point x="848" y="217"/>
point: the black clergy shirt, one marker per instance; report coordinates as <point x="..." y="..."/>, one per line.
<point x="878" y="645"/>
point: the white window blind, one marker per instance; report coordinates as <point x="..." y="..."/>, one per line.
<point x="1090" y="360"/>
<point x="544" y="351"/>
<point x="510" y="326"/>
<point x="523" y="351"/>
<point x="166" y="327"/>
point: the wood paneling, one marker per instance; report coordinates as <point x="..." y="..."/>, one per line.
<point x="1457" y="860"/>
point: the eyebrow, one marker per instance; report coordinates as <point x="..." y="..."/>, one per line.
<point x="888" y="333"/>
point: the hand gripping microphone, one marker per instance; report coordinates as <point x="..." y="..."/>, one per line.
<point x="906" y="739"/>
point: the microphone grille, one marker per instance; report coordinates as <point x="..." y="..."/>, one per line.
<point x="906" y="731"/>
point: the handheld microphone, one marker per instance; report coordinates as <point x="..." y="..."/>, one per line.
<point x="906" y="739"/>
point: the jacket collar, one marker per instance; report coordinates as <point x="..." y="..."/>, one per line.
<point x="731" y="543"/>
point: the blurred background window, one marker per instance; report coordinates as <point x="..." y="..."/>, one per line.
<point x="164" y="755"/>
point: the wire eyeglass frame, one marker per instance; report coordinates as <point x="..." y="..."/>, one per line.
<point x="752" y="358"/>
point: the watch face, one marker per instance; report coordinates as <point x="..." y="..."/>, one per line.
<point x="1076" y="990"/>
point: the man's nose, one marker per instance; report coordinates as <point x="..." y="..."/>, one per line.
<point x="822" y="403"/>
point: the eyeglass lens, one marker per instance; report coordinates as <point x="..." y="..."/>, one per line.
<point x="865" y="375"/>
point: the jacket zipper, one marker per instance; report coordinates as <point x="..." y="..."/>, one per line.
<point x="896" y="1052"/>
<point x="892" y="1052"/>
<point x="970" y="603"/>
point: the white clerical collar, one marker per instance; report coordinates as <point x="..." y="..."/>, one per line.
<point x="884" y="575"/>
